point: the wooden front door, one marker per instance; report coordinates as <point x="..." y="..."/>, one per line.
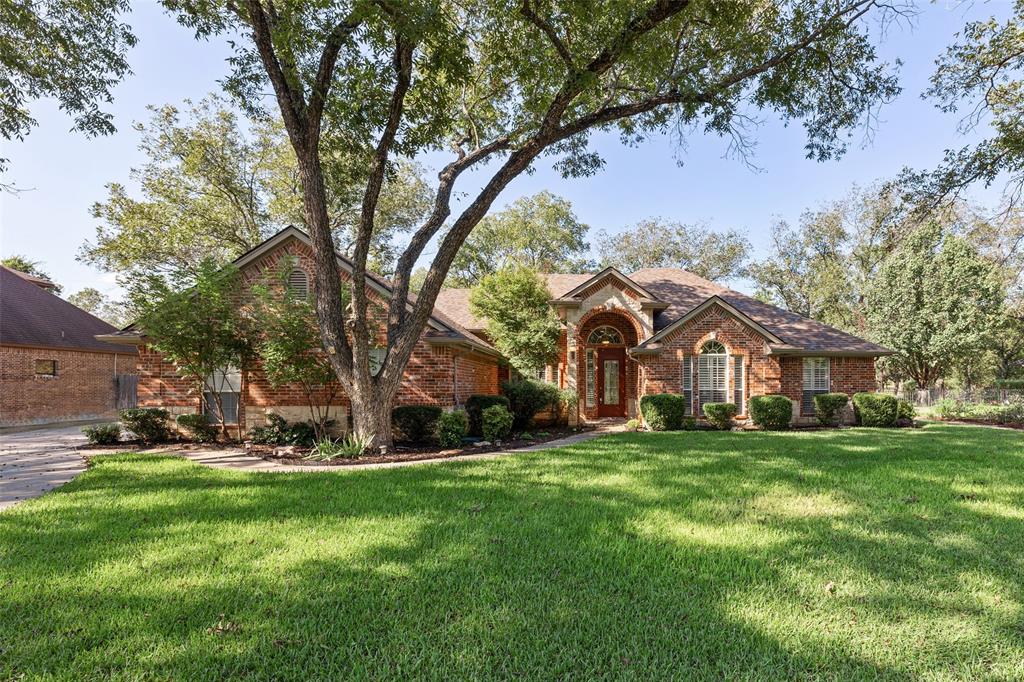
<point x="611" y="382"/>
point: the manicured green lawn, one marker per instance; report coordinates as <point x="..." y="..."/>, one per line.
<point x="852" y="554"/>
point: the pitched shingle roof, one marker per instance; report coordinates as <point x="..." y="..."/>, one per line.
<point x="683" y="291"/>
<point x="32" y="316"/>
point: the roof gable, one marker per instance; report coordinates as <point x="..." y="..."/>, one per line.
<point x="654" y="341"/>
<point x="609" y="273"/>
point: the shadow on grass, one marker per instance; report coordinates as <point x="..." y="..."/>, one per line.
<point x="851" y="554"/>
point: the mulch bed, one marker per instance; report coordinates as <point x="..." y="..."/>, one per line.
<point x="414" y="453"/>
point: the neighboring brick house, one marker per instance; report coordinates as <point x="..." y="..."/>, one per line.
<point x="52" y="367"/>
<point x="447" y="366"/>
<point x="665" y="330"/>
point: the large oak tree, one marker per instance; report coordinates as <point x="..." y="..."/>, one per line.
<point x="500" y="84"/>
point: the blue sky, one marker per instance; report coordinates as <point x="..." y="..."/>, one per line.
<point x="67" y="172"/>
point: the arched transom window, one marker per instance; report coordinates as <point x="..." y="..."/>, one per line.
<point x="605" y="335"/>
<point x="713" y="348"/>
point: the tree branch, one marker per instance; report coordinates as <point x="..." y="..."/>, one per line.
<point x="548" y="30"/>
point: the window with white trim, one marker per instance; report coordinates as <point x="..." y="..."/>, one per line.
<point x="377" y="356"/>
<point x="688" y="384"/>
<point x="738" y="393"/>
<point x="298" y="283"/>
<point x="816" y="382"/>
<point x="227" y="385"/>
<point x="712" y="373"/>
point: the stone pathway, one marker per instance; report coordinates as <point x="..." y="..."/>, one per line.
<point x="238" y="459"/>
<point x="34" y="462"/>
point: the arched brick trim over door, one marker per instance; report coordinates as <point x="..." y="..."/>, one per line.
<point x="623" y="322"/>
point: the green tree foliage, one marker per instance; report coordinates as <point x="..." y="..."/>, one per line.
<point x="69" y="50"/>
<point x="499" y="86"/>
<point x="514" y="302"/>
<point x="289" y="347"/>
<point x="540" y="232"/>
<point x="93" y="301"/>
<point x="195" y="322"/>
<point x="30" y="267"/>
<point x="656" y="243"/>
<point x="933" y="301"/>
<point x="215" y="184"/>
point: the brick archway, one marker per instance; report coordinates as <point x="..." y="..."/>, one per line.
<point x="589" y="373"/>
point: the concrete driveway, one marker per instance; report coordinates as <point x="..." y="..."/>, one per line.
<point x="33" y="462"/>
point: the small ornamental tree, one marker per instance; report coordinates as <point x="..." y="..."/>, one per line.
<point x="289" y="347"/>
<point x="196" y="324"/>
<point x="514" y="301"/>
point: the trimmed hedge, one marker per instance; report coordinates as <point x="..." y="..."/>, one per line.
<point x="527" y="397"/>
<point x="198" y="427"/>
<point x="905" y="410"/>
<point x="475" y="406"/>
<point x="497" y="423"/>
<point x="103" y="434"/>
<point x="771" y="412"/>
<point x="720" y="415"/>
<point x="827" y="407"/>
<point x="663" y="411"/>
<point x="452" y="428"/>
<point x="416" y="423"/>
<point x="875" y="409"/>
<point x="148" y="423"/>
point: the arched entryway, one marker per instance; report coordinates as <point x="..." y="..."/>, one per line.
<point x="607" y="376"/>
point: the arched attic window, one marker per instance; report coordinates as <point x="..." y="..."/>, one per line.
<point x="298" y="283"/>
<point x="603" y="335"/>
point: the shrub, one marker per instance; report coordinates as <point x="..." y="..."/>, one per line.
<point x="475" y="406"/>
<point x="198" y="427"/>
<point x="349" y="447"/>
<point x="875" y="409"/>
<point x="416" y="423"/>
<point x="948" y="408"/>
<point x="103" y="434"/>
<point x="497" y="423"/>
<point x="633" y="425"/>
<point x="452" y="428"/>
<point x="663" y="411"/>
<point x="527" y="398"/>
<point x="689" y="423"/>
<point x="568" y="400"/>
<point x="280" y="432"/>
<point x="148" y="423"/>
<point x="771" y="412"/>
<point x="1010" y="384"/>
<point x="720" y="415"/>
<point x="827" y="407"/>
<point x="905" y="410"/>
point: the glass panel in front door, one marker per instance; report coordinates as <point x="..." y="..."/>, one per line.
<point x="611" y="382"/>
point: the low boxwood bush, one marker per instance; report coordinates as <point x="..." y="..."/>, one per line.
<point x="475" y="406"/>
<point x="720" y="415"/>
<point x="905" y="410"/>
<point x="279" y="432"/>
<point x="148" y="423"/>
<point x="452" y="428"/>
<point x="526" y="398"/>
<point x="827" y="407"/>
<point x="875" y="409"/>
<point x="771" y="412"/>
<point x="497" y="423"/>
<point x="416" y="423"/>
<point x="663" y="411"/>
<point x="198" y="427"/>
<point x="103" y="434"/>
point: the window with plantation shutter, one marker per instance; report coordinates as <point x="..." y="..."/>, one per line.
<point x="688" y="384"/>
<point x="816" y="382"/>
<point x="711" y="374"/>
<point x="737" y="384"/>
<point x="298" y="283"/>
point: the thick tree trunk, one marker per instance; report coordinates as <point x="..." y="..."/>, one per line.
<point x="371" y="419"/>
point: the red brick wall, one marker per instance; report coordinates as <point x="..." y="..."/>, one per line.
<point x="430" y="377"/>
<point x="848" y="375"/>
<point x="83" y="388"/>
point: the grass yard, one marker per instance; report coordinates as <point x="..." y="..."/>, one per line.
<point x="833" y="554"/>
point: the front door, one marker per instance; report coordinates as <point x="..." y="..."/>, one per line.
<point x="611" y="382"/>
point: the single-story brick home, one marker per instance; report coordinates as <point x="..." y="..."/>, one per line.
<point x="52" y="366"/>
<point x="652" y="331"/>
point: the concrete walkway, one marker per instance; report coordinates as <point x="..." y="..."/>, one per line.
<point x="33" y="462"/>
<point x="239" y="460"/>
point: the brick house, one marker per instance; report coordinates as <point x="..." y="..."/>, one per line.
<point x="52" y="367"/>
<point x="665" y="330"/>
<point x="654" y="331"/>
